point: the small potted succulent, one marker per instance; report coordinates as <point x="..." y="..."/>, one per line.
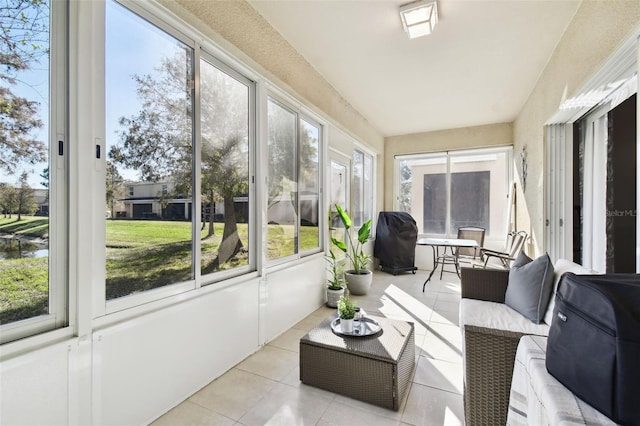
<point x="346" y="312"/>
<point x="336" y="282"/>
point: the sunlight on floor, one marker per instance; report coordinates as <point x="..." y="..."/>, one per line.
<point x="265" y="388"/>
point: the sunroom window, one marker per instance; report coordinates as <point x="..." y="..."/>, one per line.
<point x="33" y="150"/>
<point x="362" y="187"/>
<point x="150" y="139"/>
<point x="179" y="132"/>
<point x="293" y="182"/>
<point x="448" y="190"/>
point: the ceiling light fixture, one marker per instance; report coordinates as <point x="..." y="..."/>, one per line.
<point x="419" y="18"/>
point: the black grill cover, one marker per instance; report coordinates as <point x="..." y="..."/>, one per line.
<point x="395" y="245"/>
<point x="594" y="342"/>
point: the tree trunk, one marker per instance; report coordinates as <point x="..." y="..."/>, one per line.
<point x="212" y="231"/>
<point x="231" y="243"/>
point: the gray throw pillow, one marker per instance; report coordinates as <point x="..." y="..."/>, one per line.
<point x="530" y="286"/>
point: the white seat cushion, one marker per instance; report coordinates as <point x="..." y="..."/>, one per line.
<point x="498" y="316"/>
<point x="561" y="266"/>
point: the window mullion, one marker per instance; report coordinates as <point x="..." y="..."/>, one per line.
<point x="296" y="174"/>
<point x="196" y="195"/>
<point x="58" y="148"/>
<point x="447" y="225"/>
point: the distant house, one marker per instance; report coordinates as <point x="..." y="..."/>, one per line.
<point x="149" y="200"/>
<point x="153" y="200"/>
<point x="41" y="198"/>
<point x="42" y="201"/>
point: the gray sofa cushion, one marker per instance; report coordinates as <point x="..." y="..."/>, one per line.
<point x="530" y="286"/>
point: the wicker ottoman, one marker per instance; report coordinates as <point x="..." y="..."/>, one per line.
<point x="376" y="369"/>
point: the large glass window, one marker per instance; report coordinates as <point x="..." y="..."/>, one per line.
<point x="362" y="188"/>
<point x="149" y="135"/>
<point x="176" y="138"/>
<point x="282" y="212"/>
<point x="446" y="191"/>
<point x="32" y="277"/>
<point x="604" y="178"/>
<point x="293" y="182"/>
<point x="309" y="181"/>
<point x="224" y="170"/>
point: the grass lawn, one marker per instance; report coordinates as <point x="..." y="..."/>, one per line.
<point x="141" y="255"/>
<point x="29" y="226"/>
<point x="24" y="289"/>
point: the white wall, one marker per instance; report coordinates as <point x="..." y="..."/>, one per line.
<point x="35" y="387"/>
<point x="134" y="371"/>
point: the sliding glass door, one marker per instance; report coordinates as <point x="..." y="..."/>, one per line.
<point x="448" y="190"/>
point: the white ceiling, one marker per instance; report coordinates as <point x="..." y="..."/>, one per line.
<point x="478" y="67"/>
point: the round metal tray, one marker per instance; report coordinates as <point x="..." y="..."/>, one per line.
<point x="363" y="327"/>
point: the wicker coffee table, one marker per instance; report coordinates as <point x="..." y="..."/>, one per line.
<point x="376" y="369"/>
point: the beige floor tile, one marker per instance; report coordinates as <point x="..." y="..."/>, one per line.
<point x="448" y="332"/>
<point x="427" y="406"/>
<point x="448" y="297"/>
<point x="189" y="413"/>
<point x="439" y="374"/>
<point x="361" y="406"/>
<point x="392" y="310"/>
<point x="270" y="362"/>
<point x="446" y="317"/>
<point x="308" y="323"/>
<point x="342" y="414"/>
<point x="287" y="405"/>
<point x="413" y="306"/>
<point x="234" y="393"/>
<point x="322" y="312"/>
<point x="450" y="286"/>
<point x="446" y="306"/>
<point x="289" y="340"/>
<point x="293" y="378"/>
<point x="435" y="346"/>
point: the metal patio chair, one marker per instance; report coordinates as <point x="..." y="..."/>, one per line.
<point x="515" y="242"/>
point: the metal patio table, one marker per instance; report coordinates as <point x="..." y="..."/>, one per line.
<point x="452" y="243"/>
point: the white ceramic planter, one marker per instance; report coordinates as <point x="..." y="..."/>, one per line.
<point x="333" y="296"/>
<point x="346" y="325"/>
<point x="359" y="284"/>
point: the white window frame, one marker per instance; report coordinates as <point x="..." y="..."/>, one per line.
<point x="301" y="113"/>
<point x="447" y="157"/>
<point x="168" y="23"/>
<point x="58" y="303"/>
<point x="363" y="201"/>
<point x="253" y="230"/>
<point x="558" y="184"/>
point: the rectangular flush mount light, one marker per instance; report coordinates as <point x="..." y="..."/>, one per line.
<point x="419" y="18"/>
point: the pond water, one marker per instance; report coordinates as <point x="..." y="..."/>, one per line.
<point x="11" y="248"/>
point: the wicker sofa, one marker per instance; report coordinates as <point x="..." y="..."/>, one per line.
<point x="491" y="332"/>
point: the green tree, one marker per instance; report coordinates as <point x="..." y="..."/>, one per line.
<point x="24" y="26"/>
<point x="225" y="152"/>
<point x="284" y="150"/>
<point x="45" y="177"/>
<point x="404" y="197"/>
<point x="158" y="141"/>
<point x="8" y="199"/>
<point x="26" y="200"/>
<point x="115" y="187"/>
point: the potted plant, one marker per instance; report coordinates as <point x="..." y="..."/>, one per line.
<point x="346" y="312"/>
<point x="359" y="278"/>
<point x="335" y="283"/>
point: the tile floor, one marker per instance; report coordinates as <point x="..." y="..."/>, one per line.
<point x="265" y="388"/>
